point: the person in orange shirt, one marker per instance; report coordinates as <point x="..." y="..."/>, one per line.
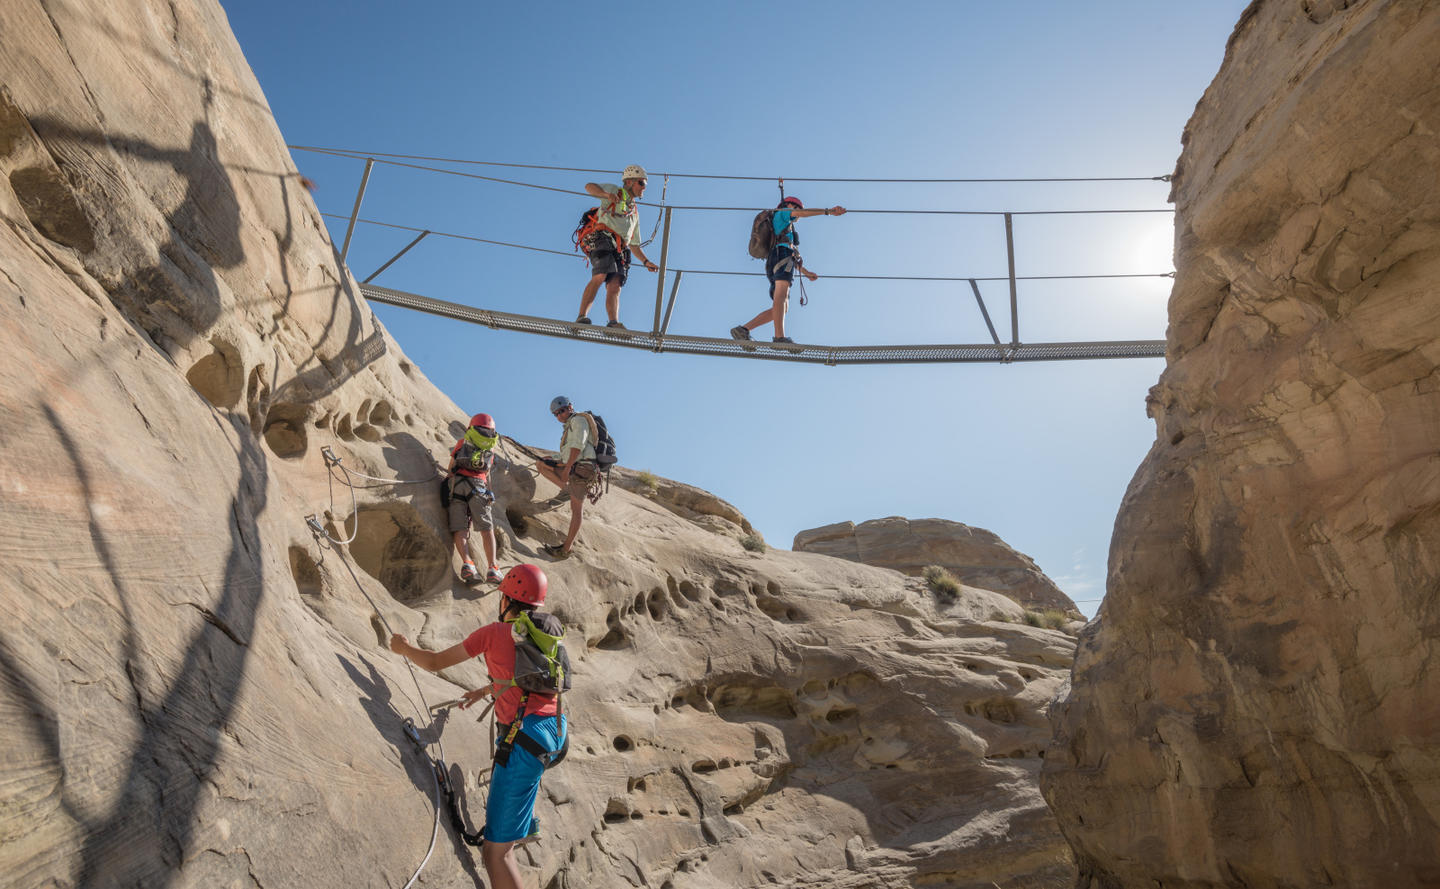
<point x="514" y="783"/>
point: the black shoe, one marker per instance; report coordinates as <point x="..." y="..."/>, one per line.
<point x="617" y="325"/>
<point x="782" y="339"/>
<point x="555" y="551"/>
<point x="740" y="332"/>
<point x="582" y="320"/>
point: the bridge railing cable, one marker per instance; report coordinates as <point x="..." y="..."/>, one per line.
<point x="361" y="155"/>
<point x="570" y="254"/>
<point x="706" y="207"/>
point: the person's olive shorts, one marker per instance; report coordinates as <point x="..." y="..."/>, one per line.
<point x="469" y="503"/>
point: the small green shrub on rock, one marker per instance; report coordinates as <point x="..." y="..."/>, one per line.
<point x="1049" y="619"/>
<point x="1055" y="620"/>
<point x="753" y="542"/>
<point x="649" y="484"/>
<point x="942" y="583"/>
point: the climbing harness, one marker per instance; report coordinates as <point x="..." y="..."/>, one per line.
<point x="599" y="485"/>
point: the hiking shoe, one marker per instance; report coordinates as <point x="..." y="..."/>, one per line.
<point x="555" y="551"/>
<point x="782" y="339"/>
<point x="582" y="320"/>
<point x="617" y="325"/>
<point x="468" y="573"/>
<point x="493" y="575"/>
<point x="739" y="332"/>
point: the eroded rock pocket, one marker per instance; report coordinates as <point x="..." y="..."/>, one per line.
<point x="285" y="430"/>
<point x="397" y="548"/>
<point x="219" y="377"/>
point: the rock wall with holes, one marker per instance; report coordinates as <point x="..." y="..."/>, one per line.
<point x="193" y="691"/>
<point x="1258" y="702"/>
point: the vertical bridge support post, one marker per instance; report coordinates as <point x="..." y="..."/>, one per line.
<point x="1010" y="255"/>
<point x="660" y="284"/>
<point x="354" y="214"/>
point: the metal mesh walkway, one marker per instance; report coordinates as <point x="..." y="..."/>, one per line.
<point x="812" y="354"/>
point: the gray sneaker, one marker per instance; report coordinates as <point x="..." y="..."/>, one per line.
<point x="582" y="320"/>
<point x="617" y="325"/>
<point x="555" y="551"/>
<point x="740" y="332"/>
<point x="782" y="339"/>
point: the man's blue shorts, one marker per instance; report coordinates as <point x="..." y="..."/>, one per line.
<point x="511" y="806"/>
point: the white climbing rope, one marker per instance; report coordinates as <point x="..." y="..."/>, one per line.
<point x="319" y="531"/>
<point x="333" y="463"/>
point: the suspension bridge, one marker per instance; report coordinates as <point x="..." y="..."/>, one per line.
<point x="659" y="338"/>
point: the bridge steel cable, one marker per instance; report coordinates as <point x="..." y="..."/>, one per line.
<point x="362" y="155"/>
<point x="587" y="196"/>
<point x="571" y="254"/>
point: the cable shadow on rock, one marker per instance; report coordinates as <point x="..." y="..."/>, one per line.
<point x="179" y="298"/>
<point x="147" y="834"/>
<point x="377" y="702"/>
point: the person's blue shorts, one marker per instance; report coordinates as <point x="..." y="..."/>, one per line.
<point x="780" y="265"/>
<point x="511" y="806"/>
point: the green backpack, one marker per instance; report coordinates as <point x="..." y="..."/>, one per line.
<point x="542" y="666"/>
<point x="541" y="663"/>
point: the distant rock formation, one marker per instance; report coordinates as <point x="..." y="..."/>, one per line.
<point x="193" y="690"/>
<point x="1258" y="701"/>
<point x="975" y="556"/>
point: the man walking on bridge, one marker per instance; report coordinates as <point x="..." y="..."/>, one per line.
<point x="610" y="238"/>
<point x="782" y="264"/>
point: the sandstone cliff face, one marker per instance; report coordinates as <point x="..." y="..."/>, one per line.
<point x="192" y="692"/>
<point x="1257" y="703"/>
<point x="975" y="556"/>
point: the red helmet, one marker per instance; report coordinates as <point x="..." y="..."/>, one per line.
<point x="525" y="583"/>
<point x="791" y="199"/>
<point x="482" y="421"/>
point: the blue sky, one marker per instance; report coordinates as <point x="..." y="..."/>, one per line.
<point x="1039" y="453"/>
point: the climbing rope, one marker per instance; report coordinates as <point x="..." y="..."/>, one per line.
<point x="361" y="155"/>
<point x="319" y="533"/>
<point x="333" y="463"/>
<point x="438" y="773"/>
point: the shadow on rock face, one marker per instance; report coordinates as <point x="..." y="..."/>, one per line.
<point x="376" y="699"/>
<point x="178" y="297"/>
